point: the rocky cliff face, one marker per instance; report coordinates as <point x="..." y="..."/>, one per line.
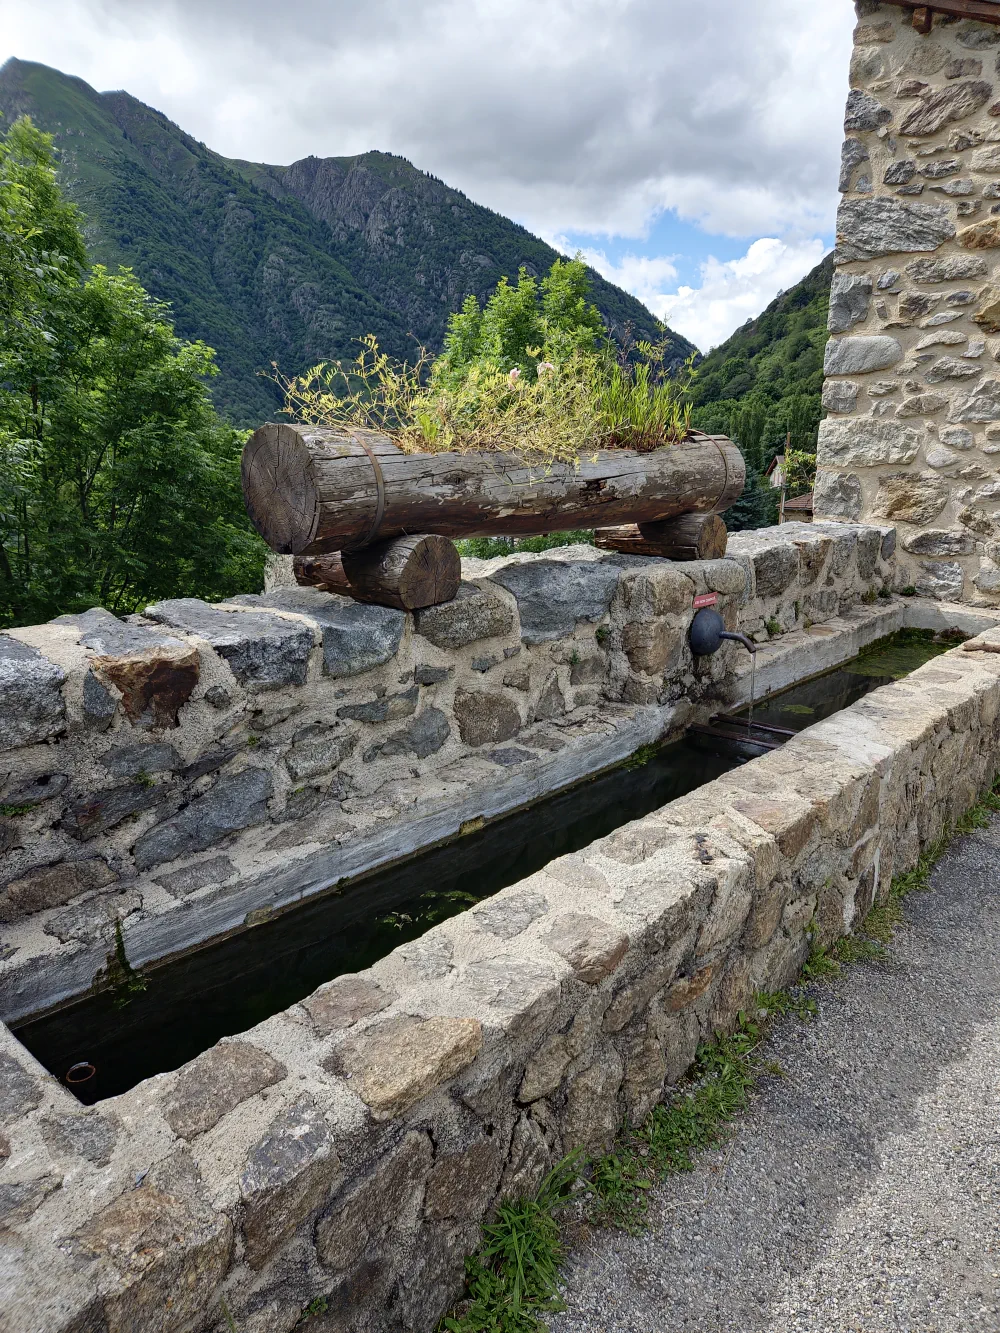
<point x="278" y="264"/>
<point x="420" y="246"/>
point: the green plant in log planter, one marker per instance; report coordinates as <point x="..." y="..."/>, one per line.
<point x="532" y="373"/>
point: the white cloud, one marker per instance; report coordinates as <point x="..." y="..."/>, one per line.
<point x="577" y="115"/>
<point x="730" y="292"/>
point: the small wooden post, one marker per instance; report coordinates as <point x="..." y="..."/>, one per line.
<point x="923" y="19"/>
<point x="407" y="573"/>
<point x="688" y="537"/>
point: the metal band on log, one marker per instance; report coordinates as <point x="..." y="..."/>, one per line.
<point x="689" y="537"/>
<point x="311" y="490"/>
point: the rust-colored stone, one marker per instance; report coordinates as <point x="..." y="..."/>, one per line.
<point x="397" y="1063"/>
<point x="592" y="948"/>
<point x="155" y="683"/>
<point x="983" y="235"/>
<point x="167" y="1248"/>
<point x="790" y="821"/>
<point x="686" y="990"/>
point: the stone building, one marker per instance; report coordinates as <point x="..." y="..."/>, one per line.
<point x="912" y="394"/>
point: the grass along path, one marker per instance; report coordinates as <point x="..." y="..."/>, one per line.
<point x="513" y="1281"/>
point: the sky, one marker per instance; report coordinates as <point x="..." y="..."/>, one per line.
<point x="689" y="148"/>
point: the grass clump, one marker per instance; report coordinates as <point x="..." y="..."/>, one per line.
<point x="532" y="373"/>
<point x="675" y="1132"/>
<point x="513" y="1279"/>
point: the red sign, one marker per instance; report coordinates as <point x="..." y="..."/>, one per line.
<point x="705" y="599"/>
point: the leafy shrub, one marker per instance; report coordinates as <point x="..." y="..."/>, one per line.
<point x="118" y="483"/>
<point x="529" y="375"/>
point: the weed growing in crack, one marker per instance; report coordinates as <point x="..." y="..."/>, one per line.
<point x="125" y="980"/>
<point x="674" y="1132"/>
<point x="514" y="1277"/>
<point x="320" y="1305"/>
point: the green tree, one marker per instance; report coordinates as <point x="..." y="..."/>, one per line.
<point x="757" y="507"/>
<point x="522" y="325"/>
<point x="120" y="485"/>
<point x="570" y="323"/>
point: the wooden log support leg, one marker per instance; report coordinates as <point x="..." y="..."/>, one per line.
<point x="407" y="572"/>
<point x="688" y="537"/>
<point x="923" y="19"/>
<point x="322" y="571"/>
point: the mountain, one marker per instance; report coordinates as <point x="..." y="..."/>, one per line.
<point x="279" y="264"/>
<point x="776" y="359"/>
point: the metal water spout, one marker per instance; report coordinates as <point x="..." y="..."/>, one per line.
<point x="708" y="632"/>
<point x="748" y="644"/>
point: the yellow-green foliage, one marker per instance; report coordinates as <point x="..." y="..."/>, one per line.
<point x="496" y="390"/>
<point x="800" y="471"/>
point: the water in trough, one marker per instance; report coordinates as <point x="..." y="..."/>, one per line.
<point x="227" y="987"/>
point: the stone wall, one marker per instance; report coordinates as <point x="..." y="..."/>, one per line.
<point x="913" y="387"/>
<point x="348" y="1148"/>
<point x="191" y="770"/>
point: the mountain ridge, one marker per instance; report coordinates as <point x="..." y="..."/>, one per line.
<point x="775" y="359"/>
<point x="286" y="264"/>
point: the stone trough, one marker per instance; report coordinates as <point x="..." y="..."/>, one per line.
<point x="198" y="769"/>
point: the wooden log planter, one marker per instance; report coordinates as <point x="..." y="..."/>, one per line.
<point x="311" y="492"/>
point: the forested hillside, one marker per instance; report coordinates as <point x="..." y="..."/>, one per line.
<point x="774" y="361"/>
<point x="279" y="264"/>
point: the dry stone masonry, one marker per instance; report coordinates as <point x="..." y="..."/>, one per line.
<point x="188" y="771"/>
<point x="912" y="435"/>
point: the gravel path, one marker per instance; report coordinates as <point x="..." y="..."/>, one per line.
<point x="862" y="1191"/>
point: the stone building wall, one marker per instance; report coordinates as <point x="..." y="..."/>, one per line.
<point x="191" y="770"/>
<point x="912" y="435"/>
<point x="341" y="1155"/>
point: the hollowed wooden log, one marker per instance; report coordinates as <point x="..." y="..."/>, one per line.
<point x="310" y="491"/>
<point x="407" y="572"/>
<point x="689" y="537"/>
